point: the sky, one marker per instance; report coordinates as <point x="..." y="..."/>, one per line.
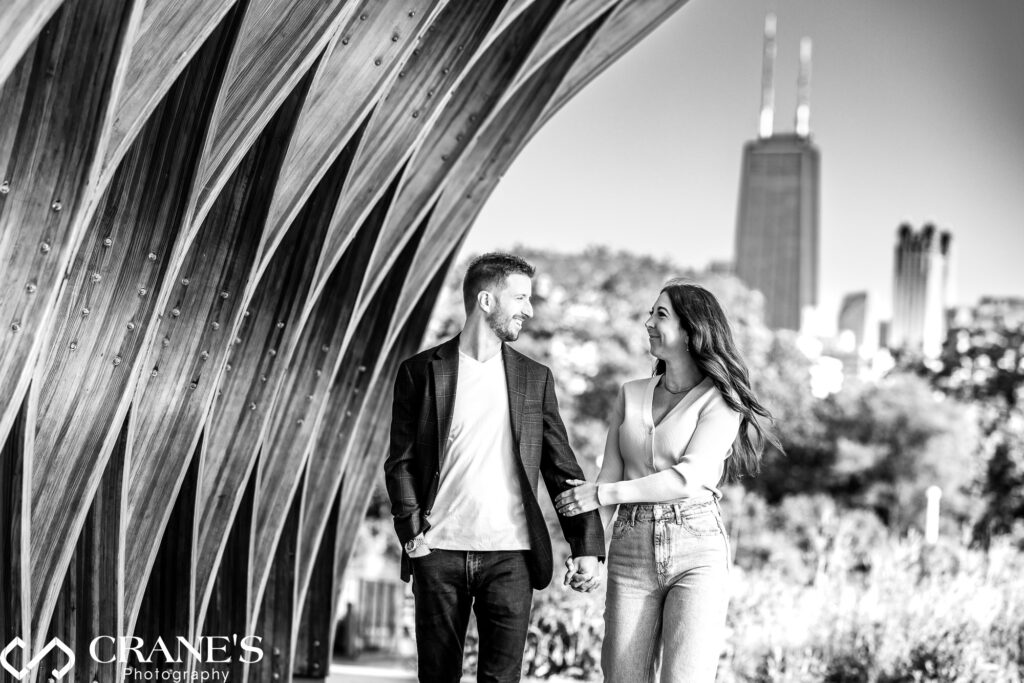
<point x="917" y="108"/>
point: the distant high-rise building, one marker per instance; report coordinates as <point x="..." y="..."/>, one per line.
<point x="921" y="278"/>
<point x="853" y="317"/>
<point x="777" y="223"/>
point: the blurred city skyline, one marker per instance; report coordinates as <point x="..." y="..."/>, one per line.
<point x="917" y="108"/>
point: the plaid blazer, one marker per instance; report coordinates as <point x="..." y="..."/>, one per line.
<point x="421" y="418"/>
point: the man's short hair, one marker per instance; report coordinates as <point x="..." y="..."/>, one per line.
<point x="491" y="270"/>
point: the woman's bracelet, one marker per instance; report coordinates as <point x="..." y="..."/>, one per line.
<point x="597" y="494"/>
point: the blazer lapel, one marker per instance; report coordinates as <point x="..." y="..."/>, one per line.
<point x="515" y="379"/>
<point x="445" y="366"/>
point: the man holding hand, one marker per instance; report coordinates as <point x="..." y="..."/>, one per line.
<point x="474" y="423"/>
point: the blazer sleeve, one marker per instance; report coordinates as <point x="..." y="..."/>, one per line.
<point x="558" y="465"/>
<point x="399" y="477"/>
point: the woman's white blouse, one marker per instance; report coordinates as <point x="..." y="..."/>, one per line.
<point x="694" y="438"/>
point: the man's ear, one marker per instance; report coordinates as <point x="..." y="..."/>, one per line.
<point x="484" y="300"/>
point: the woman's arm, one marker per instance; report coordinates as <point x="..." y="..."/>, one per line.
<point x="697" y="470"/>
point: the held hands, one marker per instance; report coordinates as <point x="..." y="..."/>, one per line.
<point x="576" y="501"/>
<point x="582" y="574"/>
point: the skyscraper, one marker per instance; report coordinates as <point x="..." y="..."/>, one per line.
<point x="853" y="318"/>
<point x="777" y="222"/>
<point x="921" y="277"/>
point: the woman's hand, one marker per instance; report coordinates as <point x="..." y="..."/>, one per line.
<point x="576" y="501"/>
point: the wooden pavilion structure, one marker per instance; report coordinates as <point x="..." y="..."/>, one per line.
<point x="222" y="224"/>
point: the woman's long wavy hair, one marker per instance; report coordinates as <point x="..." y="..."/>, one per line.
<point x="714" y="350"/>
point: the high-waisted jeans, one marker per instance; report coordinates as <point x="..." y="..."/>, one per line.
<point x="668" y="592"/>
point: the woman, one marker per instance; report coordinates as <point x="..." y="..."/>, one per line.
<point x="672" y="439"/>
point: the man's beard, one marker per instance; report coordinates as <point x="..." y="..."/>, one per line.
<point x="501" y="325"/>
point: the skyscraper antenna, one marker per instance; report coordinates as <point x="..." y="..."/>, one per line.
<point x="803" y="101"/>
<point x="766" y="124"/>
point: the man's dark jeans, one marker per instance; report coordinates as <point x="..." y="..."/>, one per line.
<point x="496" y="584"/>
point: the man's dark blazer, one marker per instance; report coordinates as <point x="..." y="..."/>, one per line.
<point x="420" y="419"/>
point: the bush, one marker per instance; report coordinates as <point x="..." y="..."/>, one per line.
<point x="822" y="594"/>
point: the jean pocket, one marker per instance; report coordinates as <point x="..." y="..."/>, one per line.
<point x="619" y="528"/>
<point x="702" y="522"/>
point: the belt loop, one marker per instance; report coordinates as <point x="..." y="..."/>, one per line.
<point x="675" y="509"/>
<point x="632" y="515"/>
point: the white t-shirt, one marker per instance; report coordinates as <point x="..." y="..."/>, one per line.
<point x="479" y="503"/>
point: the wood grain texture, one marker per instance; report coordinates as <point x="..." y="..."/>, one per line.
<point x="170" y="36"/>
<point x="15" y="460"/>
<point x="269" y="333"/>
<point x="457" y="127"/>
<point x="20" y="23"/>
<point x="226" y="608"/>
<point x="224" y="224"/>
<point x="304" y="394"/>
<point x="315" y="628"/>
<point x="353" y="382"/>
<point x="90" y="597"/>
<point x="279" y="40"/>
<point x="164" y="610"/>
<point x="628" y="23"/>
<point x="332" y="113"/>
<point x="53" y="109"/>
<point x="104" y="318"/>
<point x="477" y="172"/>
<point x="573" y="17"/>
<point x="196" y="333"/>
<point x="405" y="114"/>
<point x="371" y="433"/>
<point x="279" y="615"/>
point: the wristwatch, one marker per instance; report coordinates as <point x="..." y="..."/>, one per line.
<point x="417" y="547"/>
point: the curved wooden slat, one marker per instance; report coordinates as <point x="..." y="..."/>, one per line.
<point x="182" y="372"/>
<point x="15" y="494"/>
<point x="302" y="396"/>
<point x="279" y="41"/>
<point x="54" y="110"/>
<point x="315" y="628"/>
<point x="164" y="610"/>
<point x="101" y="318"/>
<point x="572" y="18"/>
<point x="245" y="532"/>
<point x="276" y="621"/>
<point x="371" y="433"/>
<point x="20" y="23"/>
<point x="329" y="458"/>
<point x="90" y="598"/>
<point x="227" y="608"/>
<point x="627" y="24"/>
<point x="509" y="13"/>
<point x="405" y="114"/>
<point x="478" y="172"/>
<point x="468" y="109"/>
<point x="332" y="113"/>
<point x="240" y="414"/>
<point x="171" y="35"/>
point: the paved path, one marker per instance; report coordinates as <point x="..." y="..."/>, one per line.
<point x="355" y="673"/>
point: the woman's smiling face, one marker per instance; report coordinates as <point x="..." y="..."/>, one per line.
<point x="666" y="334"/>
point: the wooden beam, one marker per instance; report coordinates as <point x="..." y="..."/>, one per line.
<point x="347" y="85"/>
<point x="53" y="109"/>
<point x="105" y="318"/>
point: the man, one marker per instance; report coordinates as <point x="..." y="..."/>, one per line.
<point x="473" y="424"/>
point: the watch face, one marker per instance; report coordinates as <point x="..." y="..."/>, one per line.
<point x="410" y="546"/>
